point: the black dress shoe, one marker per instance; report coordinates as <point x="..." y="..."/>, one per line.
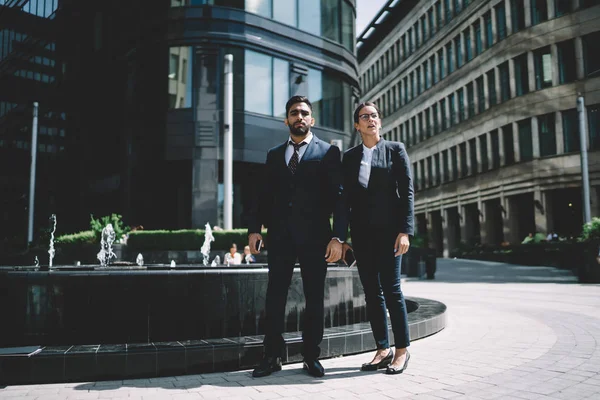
<point x="267" y="366"/>
<point x="314" y="368"/>
<point x="381" y="364"/>
<point x="393" y="370"/>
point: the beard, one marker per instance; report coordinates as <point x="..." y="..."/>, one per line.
<point x="299" y="130"/>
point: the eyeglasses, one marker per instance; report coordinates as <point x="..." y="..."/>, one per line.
<point x="366" y="117"/>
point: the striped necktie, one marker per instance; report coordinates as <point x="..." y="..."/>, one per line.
<point x="293" y="164"/>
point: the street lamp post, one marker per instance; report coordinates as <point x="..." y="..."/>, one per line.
<point x="228" y="143"/>
<point x="34" y="129"/>
<point x="585" y="177"/>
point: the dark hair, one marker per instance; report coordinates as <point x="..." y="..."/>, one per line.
<point x="294" y="100"/>
<point x="363" y="105"/>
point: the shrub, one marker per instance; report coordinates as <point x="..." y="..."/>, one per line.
<point x="591" y="230"/>
<point x="115" y="219"/>
<point x="188" y="239"/>
<point x="77" y="238"/>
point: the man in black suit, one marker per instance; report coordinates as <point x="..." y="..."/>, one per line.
<point x="302" y="185"/>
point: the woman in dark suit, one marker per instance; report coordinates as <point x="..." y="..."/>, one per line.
<point x="378" y="206"/>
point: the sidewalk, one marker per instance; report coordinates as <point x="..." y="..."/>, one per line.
<point x="514" y="332"/>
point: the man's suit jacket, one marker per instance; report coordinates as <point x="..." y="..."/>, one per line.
<point x="387" y="204"/>
<point x="299" y="203"/>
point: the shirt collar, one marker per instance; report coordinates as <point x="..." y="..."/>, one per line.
<point x="306" y="140"/>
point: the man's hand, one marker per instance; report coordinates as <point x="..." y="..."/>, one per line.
<point x="253" y="240"/>
<point x="345" y="248"/>
<point x="334" y="251"/>
<point x="402" y="244"/>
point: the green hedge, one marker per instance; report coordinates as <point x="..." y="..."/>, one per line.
<point x="188" y="239"/>
<point x="77" y="238"/>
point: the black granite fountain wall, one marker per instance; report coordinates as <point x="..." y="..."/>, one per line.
<point x="114" y="323"/>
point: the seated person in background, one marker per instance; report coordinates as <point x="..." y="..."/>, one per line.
<point x="233" y="257"/>
<point x="248" y="257"/>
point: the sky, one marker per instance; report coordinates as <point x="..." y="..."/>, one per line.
<point x="366" y="10"/>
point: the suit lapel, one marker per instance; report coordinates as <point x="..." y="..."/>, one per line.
<point x="311" y="150"/>
<point x="378" y="160"/>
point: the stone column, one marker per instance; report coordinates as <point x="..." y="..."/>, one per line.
<point x="425" y="174"/>
<point x="472" y="36"/>
<point x="508" y="12"/>
<point x="497" y="84"/>
<point x="558" y="129"/>
<point x="489" y="149"/>
<point x="531" y="70"/>
<point x="462" y="218"/>
<point x="494" y="25"/>
<point x="450" y="168"/>
<point x="501" y="147"/>
<point x="434" y="176"/>
<point x="463" y="56"/>
<point x="486" y="91"/>
<point x="511" y="79"/>
<point x="539" y="210"/>
<point x="447" y="231"/>
<point x="483" y="33"/>
<point x="527" y="10"/>
<point x="516" y="143"/>
<point x="481" y="210"/>
<point x="445" y="55"/>
<point x="439" y="116"/>
<point x="459" y="156"/>
<point x="579" y="63"/>
<point x="447" y="108"/>
<point x="535" y="137"/>
<point x="466" y="103"/>
<point x="554" y="55"/>
<point x="551" y="10"/>
<point x="471" y="169"/>
<point x="475" y="96"/>
<point x="477" y="169"/>
<point x="576" y="4"/>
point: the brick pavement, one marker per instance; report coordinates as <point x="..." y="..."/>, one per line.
<point x="513" y="332"/>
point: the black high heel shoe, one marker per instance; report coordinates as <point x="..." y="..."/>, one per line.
<point x="381" y="364"/>
<point x="394" y="370"/>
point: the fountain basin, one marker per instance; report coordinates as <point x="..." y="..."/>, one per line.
<point x="122" y="322"/>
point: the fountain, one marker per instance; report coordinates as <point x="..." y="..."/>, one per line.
<point x="208" y="237"/>
<point x="117" y="322"/>
<point x="51" y="251"/>
<point x="106" y="241"/>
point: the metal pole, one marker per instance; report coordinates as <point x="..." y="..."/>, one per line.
<point x="228" y="143"/>
<point x="585" y="178"/>
<point x="34" y="129"/>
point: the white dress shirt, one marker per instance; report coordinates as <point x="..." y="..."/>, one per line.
<point x="364" y="173"/>
<point x="289" y="150"/>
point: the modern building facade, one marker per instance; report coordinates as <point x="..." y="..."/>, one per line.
<point x="484" y="95"/>
<point x="135" y="94"/>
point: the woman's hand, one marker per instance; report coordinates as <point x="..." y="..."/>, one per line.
<point x="402" y="244"/>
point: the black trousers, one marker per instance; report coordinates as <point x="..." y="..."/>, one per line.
<point x="379" y="272"/>
<point x="284" y="249"/>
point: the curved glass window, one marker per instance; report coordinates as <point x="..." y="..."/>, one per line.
<point x="180" y="77"/>
<point x="332" y="19"/>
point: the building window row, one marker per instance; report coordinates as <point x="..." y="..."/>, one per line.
<point x="332" y="19"/>
<point x="492" y="27"/>
<point x="535" y="70"/>
<point x="541" y="136"/>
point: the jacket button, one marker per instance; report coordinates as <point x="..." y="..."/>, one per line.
<point x="290" y="204"/>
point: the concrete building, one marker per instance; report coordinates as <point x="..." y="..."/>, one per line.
<point x="483" y="94"/>
<point x="131" y="99"/>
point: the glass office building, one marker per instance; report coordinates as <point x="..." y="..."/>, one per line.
<point x="136" y="92"/>
<point x="483" y="94"/>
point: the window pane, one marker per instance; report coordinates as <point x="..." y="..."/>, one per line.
<point x="501" y="20"/>
<point x="517" y="14"/>
<point x="478" y="40"/>
<point x="458" y="51"/>
<point x="348" y="26"/>
<point x="547" y="135"/>
<point x="495" y="144"/>
<point x="491" y="77"/>
<point x="332" y="112"/>
<point x="330" y="21"/>
<point x="489" y="38"/>
<point x="543" y="68"/>
<point x="521" y="75"/>
<point x="180" y="77"/>
<point x="260" y="7"/>
<point x="484" y="153"/>
<point x="566" y="62"/>
<point x="311" y="17"/>
<point x="285" y="11"/>
<point x="591" y="54"/>
<point x="281" y="86"/>
<point x="525" y="143"/>
<point x="539" y="11"/>
<point x="467" y="44"/>
<point x="258" y="83"/>
<point x="594" y="126"/>
<point x="509" y="144"/>
<point x="480" y="95"/>
<point x="315" y="92"/>
<point x="504" y="82"/>
<point x="570" y="130"/>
